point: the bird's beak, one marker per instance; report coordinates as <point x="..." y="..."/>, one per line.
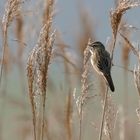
<point x="87" y="56"/>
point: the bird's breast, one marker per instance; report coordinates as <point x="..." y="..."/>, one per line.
<point x="94" y="63"/>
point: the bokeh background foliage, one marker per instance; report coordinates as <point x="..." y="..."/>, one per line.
<point x="43" y="48"/>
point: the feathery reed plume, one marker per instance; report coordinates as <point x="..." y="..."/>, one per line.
<point x="116" y="16"/>
<point x="81" y="100"/>
<point x="37" y="70"/>
<point x="48" y="10"/>
<point x="11" y="11"/>
<point x="84" y="90"/>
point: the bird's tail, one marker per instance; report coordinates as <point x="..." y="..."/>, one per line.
<point x="109" y="81"/>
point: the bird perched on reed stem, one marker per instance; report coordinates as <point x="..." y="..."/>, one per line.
<point x="101" y="61"/>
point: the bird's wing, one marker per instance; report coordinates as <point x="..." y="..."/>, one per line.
<point x="104" y="62"/>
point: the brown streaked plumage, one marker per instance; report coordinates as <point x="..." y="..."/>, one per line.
<point x="101" y="62"/>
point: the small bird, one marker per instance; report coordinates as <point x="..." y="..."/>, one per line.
<point x="101" y="61"/>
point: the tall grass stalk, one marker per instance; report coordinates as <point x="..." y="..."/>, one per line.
<point x="84" y="90"/>
<point x="103" y="114"/>
<point x="11" y="11"/>
<point x="37" y="73"/>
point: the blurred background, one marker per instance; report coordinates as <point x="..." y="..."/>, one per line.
<point x="75" y="21"/>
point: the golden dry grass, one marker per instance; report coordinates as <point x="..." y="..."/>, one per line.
<point x="72" y="106"/>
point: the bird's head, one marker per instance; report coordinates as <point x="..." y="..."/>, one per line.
<point x="92" y="46"/>
<point x="95" y="45"/>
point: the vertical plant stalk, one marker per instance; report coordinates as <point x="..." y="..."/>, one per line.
<point x="3" y="53"/>
<point x="11" y="11"/>
<point x="69" y="100"/>
<point x="103" y="114"/>
<point x="113" y="48"/>
<point x="116" y="16"/>
<point x="37" y="69"/>
<point x="108" y="119"/>
<point x="37" y="73"/>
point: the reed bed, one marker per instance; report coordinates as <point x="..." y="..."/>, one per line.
<point x="48" y="89"/>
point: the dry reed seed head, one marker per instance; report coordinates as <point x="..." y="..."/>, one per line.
<point x="38" y="63"/>
<point x="11" y="11"/>
<point x="116" y="14"/>
<point x="46" y="38"/>
<point x="37" y="68"/>
<point x="84" y="79"/>
<point x="48" y="12"/>
<point x="115" y="21"/>
<point x="86" y="53"/>
<point x="80" y="101"/>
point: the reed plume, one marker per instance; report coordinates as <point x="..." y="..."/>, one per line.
<point x="37" y="73"/>
<point x="12" y="10"/>
<point x="116" y="16"/>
